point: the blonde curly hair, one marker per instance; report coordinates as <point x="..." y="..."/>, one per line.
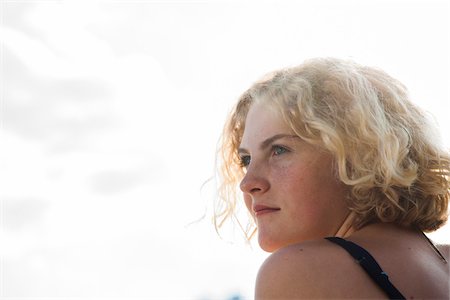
<point x="383" y="145"/>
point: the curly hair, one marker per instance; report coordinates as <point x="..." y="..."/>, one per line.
<point x="383" y="145"/>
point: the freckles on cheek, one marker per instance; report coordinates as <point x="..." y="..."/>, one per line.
<point x="301" y="187"/>
<point x="291" y="177"/>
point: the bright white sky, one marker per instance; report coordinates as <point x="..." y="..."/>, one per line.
<point x="110" y="114"/>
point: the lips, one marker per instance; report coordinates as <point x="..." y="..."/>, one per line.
<point x="263" y="209"/>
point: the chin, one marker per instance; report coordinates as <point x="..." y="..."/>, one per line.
<point x="269" y="245"/>
<point x="268" y="248"/>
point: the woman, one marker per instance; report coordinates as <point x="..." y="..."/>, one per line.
<point x="342" y="175"/>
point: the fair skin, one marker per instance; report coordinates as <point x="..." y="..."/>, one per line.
<point x="292" y="179"/>
<point x="293" y="193"/>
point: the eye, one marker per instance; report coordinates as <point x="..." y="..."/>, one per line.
<point x="244" y="160"/>
<point x="278" y="150"/>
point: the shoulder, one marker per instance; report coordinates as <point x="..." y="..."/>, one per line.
<point x="290" y="272"/>
<point x="312" y="269"/>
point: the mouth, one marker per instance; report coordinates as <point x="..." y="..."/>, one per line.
<point x="262" y="209"/>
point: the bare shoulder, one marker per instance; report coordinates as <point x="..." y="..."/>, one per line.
<point x="291" y="272"/>
<point x="310" y="270"/>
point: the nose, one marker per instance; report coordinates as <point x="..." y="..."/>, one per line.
<point x="254" y="181"/>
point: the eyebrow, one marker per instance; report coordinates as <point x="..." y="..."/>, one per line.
<point x="267" y="142"/>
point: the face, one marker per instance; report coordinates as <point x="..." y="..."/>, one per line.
<point x="289" y="186"/>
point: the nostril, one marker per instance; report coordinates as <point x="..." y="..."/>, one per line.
<point x="254" y="190"/>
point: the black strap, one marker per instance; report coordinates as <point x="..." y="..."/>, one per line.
<point x="369" y="264"/>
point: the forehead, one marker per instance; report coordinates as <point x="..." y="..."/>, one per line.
<point x="262" y="122"/>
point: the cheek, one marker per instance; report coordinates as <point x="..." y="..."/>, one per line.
<point x="306" y="187"/>
<point x="293" y="179"/>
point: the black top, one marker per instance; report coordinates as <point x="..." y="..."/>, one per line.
<point x="370" y="265"/>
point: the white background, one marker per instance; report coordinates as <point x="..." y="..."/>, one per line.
<point x="110" y="114"/>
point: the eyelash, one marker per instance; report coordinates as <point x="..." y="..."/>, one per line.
<point x="244" y="160"/>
